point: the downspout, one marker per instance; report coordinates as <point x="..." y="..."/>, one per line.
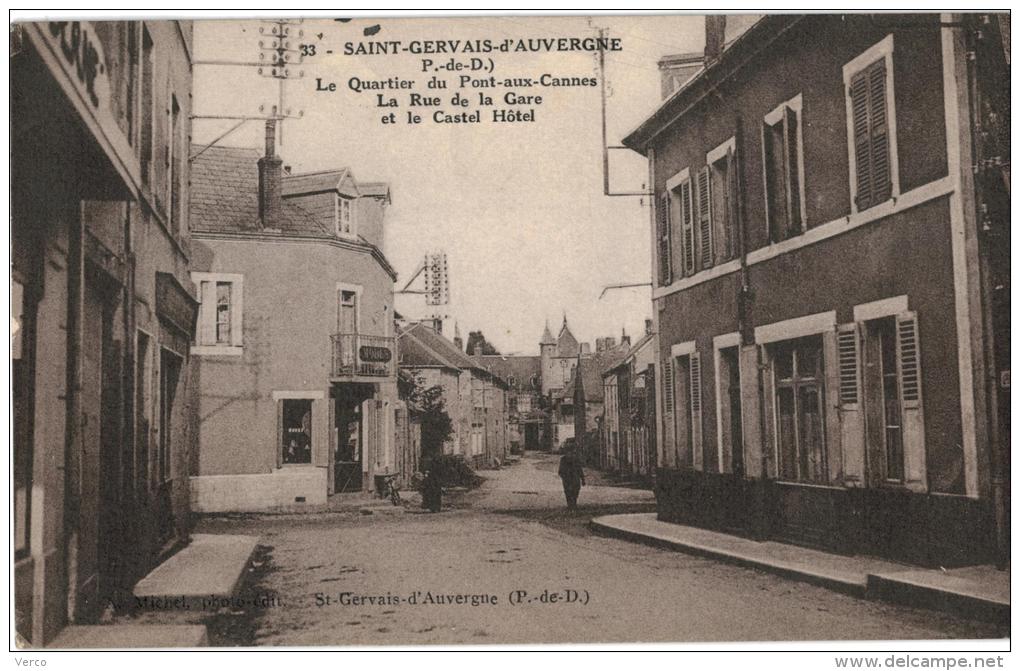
<point x="996" y="458"/>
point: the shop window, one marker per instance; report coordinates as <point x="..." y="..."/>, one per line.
<point x="296" y="430"/>
<point x="800" y="411"/>
<point x="169" y="374"/>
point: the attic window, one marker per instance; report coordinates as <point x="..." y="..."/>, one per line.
<point x="343" y="210"/>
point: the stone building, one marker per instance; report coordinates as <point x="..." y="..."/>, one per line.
<point x="103" y="310"/>
<point x="295" y="354"/>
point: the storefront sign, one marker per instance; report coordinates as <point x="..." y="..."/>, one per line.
<point x="375" y="354"/>
<point x="174" y="305"/>
<point x="76" y="58"/>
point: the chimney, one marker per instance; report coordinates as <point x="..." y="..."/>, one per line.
<point x="676" y="70"/>
<point x="270" y="181"/>
<point x="715" y="36"/>
<point x="624" y="339"/>
<point x="648" y="327"/>
<point x="585" y="348"/>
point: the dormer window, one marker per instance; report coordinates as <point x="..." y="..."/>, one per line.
<point x="344" y="215"/>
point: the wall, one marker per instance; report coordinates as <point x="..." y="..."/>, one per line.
<point x="290" y="311"/>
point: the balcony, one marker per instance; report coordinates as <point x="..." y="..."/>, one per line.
<point x="356" y="355"/>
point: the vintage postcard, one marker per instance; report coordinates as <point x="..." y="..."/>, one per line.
<point x="507" y="330"/>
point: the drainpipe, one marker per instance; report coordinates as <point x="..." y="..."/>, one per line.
<point x="996" y="458"/>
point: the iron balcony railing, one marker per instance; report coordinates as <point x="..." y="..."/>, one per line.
<point x="359" y="355"/>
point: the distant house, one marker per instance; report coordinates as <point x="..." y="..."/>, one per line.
<point x="523" y="378"/>
<point x="475" y="398"/>
<point x="295" y="352"/>
<point x="628" y="429"/>
<point x="589" y="399"/>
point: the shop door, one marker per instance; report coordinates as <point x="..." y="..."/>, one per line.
<point x="169" y="375"/>
<point x="100" y="560"/>
<point x="349" y="446"/>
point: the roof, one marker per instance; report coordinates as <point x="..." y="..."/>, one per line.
<point x="516" y="371"/>
<point x="630" y="354"/>
<point x="224" y="199"/>
<point x="416" y="354"/>
<point x="547" y="336"/>
<point x="734" y="56"/>
<point x="591" y="368"/>
<point x="438" y="343"/>
<point x="376" y="190"/>
<point x="315" y="182"/>
<point x="566" y="343"/>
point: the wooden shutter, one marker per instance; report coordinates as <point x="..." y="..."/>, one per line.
<point x="908" y="366"/>
<point x="851" y="414"/>
<point x="750" y="411"/>
<point x="320" y="436"/>
<point x="728" y="241"/>
<point x="704" y="217"/>
<point x="869" y="109"/>
<point x="881" y="173"/>
<point x="687" y="226"/>
<point x="791" y="163"/>
<point x="207" y="314"/>
<point x="831" y="426"/>
<point x="668" y="429"/>
<point x="236" y="314"/>
<point x="862" y="138"/>
<point x="769" y="442"/>
<point x="694" y="368"/>
<point x="663" y="238"/>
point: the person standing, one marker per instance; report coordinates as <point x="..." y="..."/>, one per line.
<point x="572" y="475"/>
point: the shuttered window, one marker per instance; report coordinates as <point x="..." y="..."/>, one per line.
<point x="908" y="359"/>
<point x="667" y="388"/>
<point x="221" y="312"/>
<point x="870" y="129"/>
<point x="849" y="388"/>
<point x="687" y="226"/>
<point x="694" y="371"/>
<point x="782" y="162"/>
<point x="704" y="218"/>
<point x="663" y="238"/>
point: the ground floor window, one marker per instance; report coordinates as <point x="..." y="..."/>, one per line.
<point x="882" y="399"/>
<point x="296" y="430"/>
<point x="800" y="412"/>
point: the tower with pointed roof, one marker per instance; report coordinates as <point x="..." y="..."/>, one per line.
<point x="547" y="349"/>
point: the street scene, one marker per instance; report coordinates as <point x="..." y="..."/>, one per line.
<point x="510" y="330"/>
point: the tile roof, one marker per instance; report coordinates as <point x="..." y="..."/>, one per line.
<point x="313" y="182"/>
<point x="416" y="354"/>
<point x="225" y="196"/>
<point x="630" y="354"/>
<point x="518" y="369"/>
<point x="591" y="368"/>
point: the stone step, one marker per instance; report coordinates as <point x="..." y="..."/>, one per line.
<point x="211" y="566"/>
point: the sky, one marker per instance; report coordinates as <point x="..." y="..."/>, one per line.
<point x="518" y="208"/>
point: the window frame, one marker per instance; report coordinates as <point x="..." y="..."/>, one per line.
<point x="236" y="346"/>
<point x="674" y="192"/>
<point x="340" y="202"/>
<point x="777" y="116"/>
<point x="881" y="50"/>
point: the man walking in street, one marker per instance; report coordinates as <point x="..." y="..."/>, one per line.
<point x="572" y="476"/>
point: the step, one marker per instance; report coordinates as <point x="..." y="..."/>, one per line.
<point x="212" y="565"/>
<point x="132" y="636"/>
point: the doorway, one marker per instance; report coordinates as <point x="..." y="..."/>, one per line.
<point x="349" y="436"/>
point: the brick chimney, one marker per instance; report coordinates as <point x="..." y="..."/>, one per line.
<point x="715" y="36"/>
<point x="270" y="181"/>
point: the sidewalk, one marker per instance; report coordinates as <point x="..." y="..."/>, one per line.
<point x="980" y="592"/>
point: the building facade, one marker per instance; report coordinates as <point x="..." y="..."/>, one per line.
<point x="628" y="429"/>
<point x="103" y="312"/>
<point x="818" y="290"/>
<point x="473" y="397"/>
<point x="295" y="355"/>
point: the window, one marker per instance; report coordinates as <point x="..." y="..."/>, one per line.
<point x="175" y="171"/>
<point x="717" y="238"/>
<point x="296" y="430"/>
<point x="663" y="236"/>
<point x="685" y="394"/>
<point x="800" y="414"/>
<point x="220" y="328"/>
<point x="146" y="134"/>
<point x="891" y="383"/>
<point x="344" y="215"/>
<point x="681" y="217"/>
<point x="169" y="373"/>
<point x="871" y="127"/>
<point x="731" y="448"/>
<point x="782" y="153"/>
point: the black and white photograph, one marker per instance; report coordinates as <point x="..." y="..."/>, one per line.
<point x="502" y="331"/>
